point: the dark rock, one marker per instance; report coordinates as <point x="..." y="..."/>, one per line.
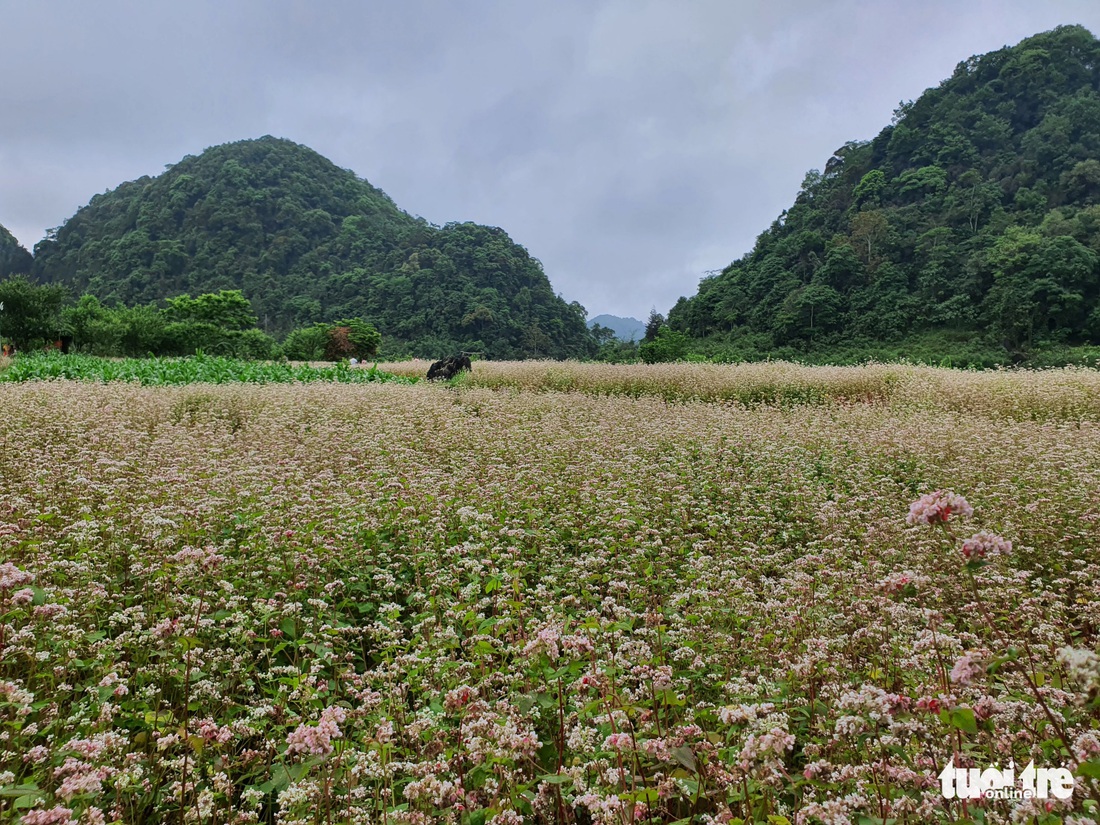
<point x="449" y="367"/>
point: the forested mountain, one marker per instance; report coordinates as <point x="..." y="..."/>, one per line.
<point x="976" y="212"/>
<point x="14" y="258"/>
<point x="307" y="241"/>
<point x="625" y="329"/>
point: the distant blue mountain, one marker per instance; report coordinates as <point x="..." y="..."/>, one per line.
<point x="626" y="329"/>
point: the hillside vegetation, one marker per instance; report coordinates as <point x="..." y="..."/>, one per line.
<point x="308" y="242"/>
<point x="14" y="259"/>
<point x="973" y="217"/>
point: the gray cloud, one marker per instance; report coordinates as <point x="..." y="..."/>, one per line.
<point x="630" y="145"/>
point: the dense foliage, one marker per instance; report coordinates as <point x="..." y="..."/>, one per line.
<point x="975" y="215"/>
<point x="31" y="316"/>
<point x="308" y="242"/>
<point x="14" y="259"/>
<point x="221" y="323"/>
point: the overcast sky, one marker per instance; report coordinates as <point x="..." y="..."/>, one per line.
<point x="629" y="145"/>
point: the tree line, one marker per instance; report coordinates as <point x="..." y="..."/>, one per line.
<point x="37" y="316"/>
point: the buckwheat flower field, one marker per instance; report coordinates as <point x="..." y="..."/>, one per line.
<point x="380" y="603"/>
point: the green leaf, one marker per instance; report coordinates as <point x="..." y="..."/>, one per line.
<point x="685" y="757"/>
<point x="556" y="778"/>
<point x="670" y="698"/>
<point x="287" y="626"/>
<point x="27" y="800"/>
<point x="1010" y="656"/>
<point x="1091" y="769"/>
<point x="21" y="790"/>
<point x="161" y="719"/>
<point x="476" y="777"/>
<point x="646" y="795"/>
<point x="280" y="778"/>
<point x="964" y="720"/>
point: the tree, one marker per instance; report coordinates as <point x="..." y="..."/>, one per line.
<point x="32" y="313"/>
<point x="918" y="183"/>
<point x="220" y="323"/>
<point x="306" y="343"/>
<point x="843" y="270"/>
<point x="96" y="329"/>
<point x="653" y="325"/>
<point x="602" y="335"/>
<point x="227" y="309"/>
<point x="352" y="338"/>
<point x="974" y="199"/>
<point x="1082" y="182"/>
<point x="869" y="229"/>
<point x="143" y="330"/>
<point x="667" y="345"/>
<point x="869" y="187"/>
<point x="811" y="310"/>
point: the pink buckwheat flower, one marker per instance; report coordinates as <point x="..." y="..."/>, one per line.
<point x="317" y="740"/>
<point x="459" y="698"/>
<point x="546" y="641"/>
<point x="210" y="731"/>
<point x="54" y="816"/>
<point x="966" y="669"/>
<point x="1086" y="746"/>
<point x="619" y="741"/>
<point x="984" y="544"/>
<point x="385" y="732"/>
<point x="11" y="576"/>
<point x="937" y="508"/>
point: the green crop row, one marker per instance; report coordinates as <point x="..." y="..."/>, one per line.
<point x="200" y="369"/>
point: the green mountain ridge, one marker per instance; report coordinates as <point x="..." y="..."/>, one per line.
<point x="625" y="329"/>
<point x="975" y="214"/>
<point x="307" y="241"/>
<point x="14" y="258"/>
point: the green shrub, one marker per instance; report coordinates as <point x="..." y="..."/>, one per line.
<point x="668" y="345"/>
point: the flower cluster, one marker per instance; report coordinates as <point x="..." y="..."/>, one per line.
<point x="317" y="739"/>
<point x="967" y="667"/>
<point x="12" y="577"/>
<point x="938" y="508"/>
